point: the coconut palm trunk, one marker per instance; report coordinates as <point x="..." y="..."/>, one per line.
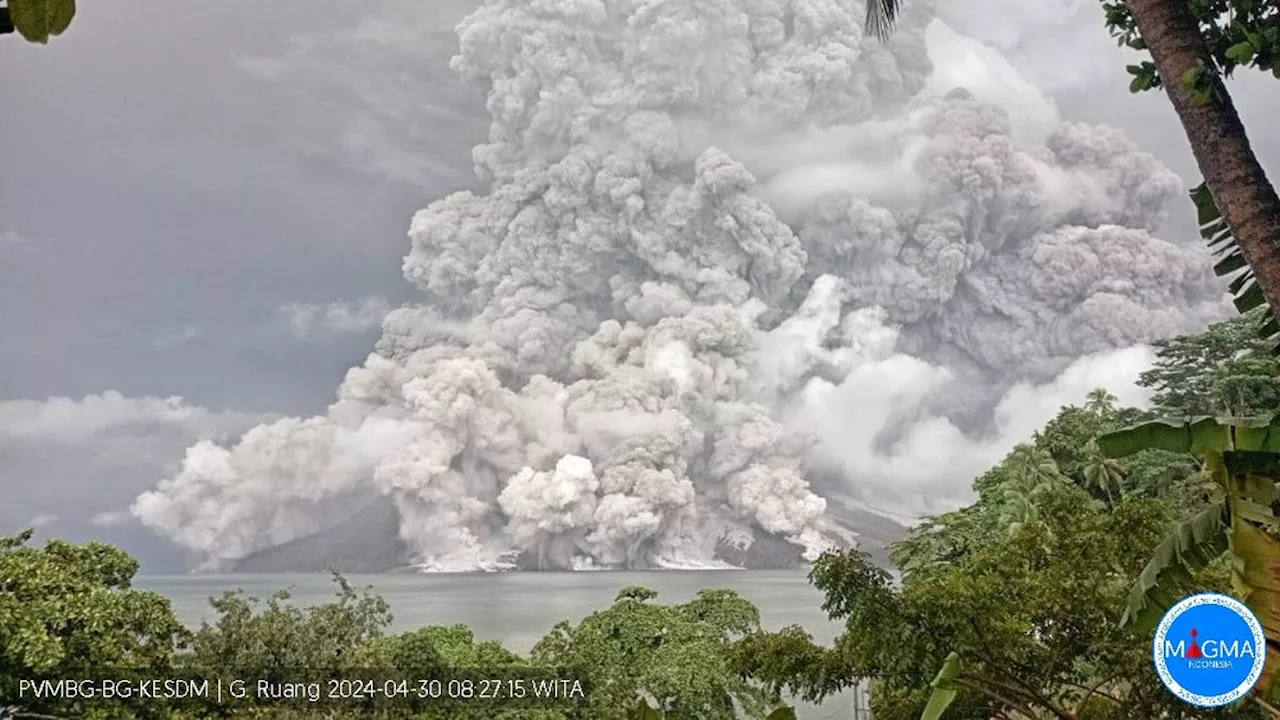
<point x="1231" y="170"/>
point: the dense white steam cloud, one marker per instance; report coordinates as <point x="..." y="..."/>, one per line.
<point x="736" y="264"/>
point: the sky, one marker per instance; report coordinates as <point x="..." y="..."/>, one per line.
<point x="203" y="211"/>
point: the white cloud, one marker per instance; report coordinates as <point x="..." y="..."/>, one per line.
<point x="112" y="518"/>
<point x="41" y="520"/>
<point x="312" y="320"/>
<point x="111" y="415"/>
<point x="12" y="238"/>
<point x="173" y="339"/>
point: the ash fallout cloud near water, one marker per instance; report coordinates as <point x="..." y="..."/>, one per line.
<point x="738" y="267"/>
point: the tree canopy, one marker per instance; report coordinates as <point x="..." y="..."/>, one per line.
<point x="68" y="611"/>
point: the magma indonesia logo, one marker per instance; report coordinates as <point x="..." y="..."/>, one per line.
<point x="1209" y="650"/>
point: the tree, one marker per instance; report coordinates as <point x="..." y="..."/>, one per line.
<point x="452" y="653"/>
<point x="672" y="656"/>
<point x="37" y="20"/>
<point x="1103" y="472"/>
<point x="68" y="611"/>
<point x="271" y="639"/>
<point x="1032" y="471"/>
<point x="1225" y="370"/>
<point x="1021" y="625"/>
<point x="1045" y="561"/>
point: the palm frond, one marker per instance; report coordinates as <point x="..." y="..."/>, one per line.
<point x="1230" y="261"/>
<point x="882" y="15"/>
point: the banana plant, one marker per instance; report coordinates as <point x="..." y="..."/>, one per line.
<point x="944" y="688"/>
<point x="1242" y="458"/>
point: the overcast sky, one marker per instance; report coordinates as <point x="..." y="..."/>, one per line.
<point x="209" y="200"/>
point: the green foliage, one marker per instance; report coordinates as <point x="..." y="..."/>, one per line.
<point x="68" y="611"/>
<point x="1168" y="475"/>
<point x="1226" y="370"/>
<point x="673" y="654"/>
<point x="1242" y="461"/>
<point x="1064" y="451"/>
<point x="452" y="652"/>
<point x="1192" y="546"/>
<point x="1239" y="33"/>
<point x="36" y="20"/>
<point x="1200" y="82"/>
<point x="944" y="688"/>
<point x="1103" y="473"/>
<point x="1205" y="437"/>
<point x="1028" y="586"/>
<point x="1031" y="617"/>
<point x="435" y="648"/>
<point x="1066" y="438"/>
<point x="1145" y="76"/>
<point x="644" y="711"/>
<point x="273" y="638"/>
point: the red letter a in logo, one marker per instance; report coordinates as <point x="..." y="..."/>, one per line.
<point x="1193" y="652"/>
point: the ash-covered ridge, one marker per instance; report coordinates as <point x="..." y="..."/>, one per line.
<point x="708" y="223"/>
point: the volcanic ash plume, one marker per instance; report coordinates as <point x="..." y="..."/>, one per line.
<point x="716" y="230"/>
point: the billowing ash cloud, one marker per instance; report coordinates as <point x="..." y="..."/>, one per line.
<point x="716" y="232"/>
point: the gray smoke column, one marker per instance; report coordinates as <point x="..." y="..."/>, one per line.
<point x="720" y="235"/>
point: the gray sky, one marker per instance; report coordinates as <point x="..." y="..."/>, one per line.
<point x="210" y="200"/>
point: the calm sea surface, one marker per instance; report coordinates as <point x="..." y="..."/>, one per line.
<point x="519" y="608"/>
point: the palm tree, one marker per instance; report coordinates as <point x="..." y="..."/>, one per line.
<point x="1031" y="470"/>
<point x="1103" y="473"/>
<point x="1034" y="467"/>
<point x="1236" y="188"/>
<point x="1100" y="402"/>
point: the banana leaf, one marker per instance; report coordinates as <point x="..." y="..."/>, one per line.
<point x="1192" y="545"/>
<point x="944" y="688"/>
<point x="1198" y="436"/>
<point x="1261" y="435"/>
<point x="1256" y="574"/>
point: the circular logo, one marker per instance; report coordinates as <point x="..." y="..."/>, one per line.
<point x="1209" y="650"/>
